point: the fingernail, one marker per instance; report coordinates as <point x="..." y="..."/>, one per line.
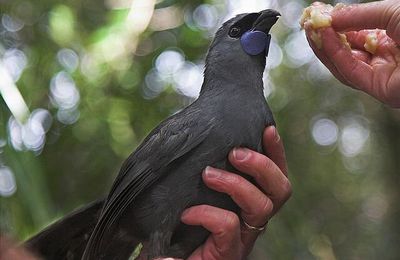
<point x="273" y="129"/>
<point x="185" y="213"/>
<point x="211" y="172"/>
<point x="276" y="134"/>
<point x="240" y="154"/>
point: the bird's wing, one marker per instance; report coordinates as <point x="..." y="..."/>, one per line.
<point x="67" y="237"/>
<point x="171" y="140"/>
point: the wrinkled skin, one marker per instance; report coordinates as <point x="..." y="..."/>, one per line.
<point x="229" y="239"/>
<point x="376" y="74"/>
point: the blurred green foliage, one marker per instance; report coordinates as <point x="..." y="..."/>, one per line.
<point x="95" y="72"/>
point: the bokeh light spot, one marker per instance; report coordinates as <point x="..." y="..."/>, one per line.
<point x="353" y="138"/>
<point x="43" y="117"/>
<point x="275" y="55"/>
<point x="64" y="93"/>
<point x="68" y="59"/>
<point x="189" y="79"/>
<point x="205" y="16"/>
<point x="14" y="61"/>
<point x="154" y="84"/>
<point x="11" y="24"/>
<point x="7" y="182"/>
<point x="325" y="132"/>
<point x="292" y="12"/>
<point x="68" y="116"/>
<point x="298" y="50"/>
<point x="15" y="134"/>
<point x="168" y="62"/>
<point x="375" y="208"/>
<point x="317" y="72"/>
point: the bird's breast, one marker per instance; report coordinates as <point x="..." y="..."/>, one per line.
<point x="243" y="119"/>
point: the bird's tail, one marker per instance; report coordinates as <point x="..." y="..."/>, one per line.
<point x="67" y="238"/>
<point x="114" y="242"/>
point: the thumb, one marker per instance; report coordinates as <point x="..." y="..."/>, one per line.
<point x="383" y="15"/>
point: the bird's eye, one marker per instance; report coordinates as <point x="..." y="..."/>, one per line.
<point x="234" y="32"/>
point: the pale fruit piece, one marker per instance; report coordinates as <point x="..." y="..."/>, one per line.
<point x="371" y="42"/>
<point x="318" y="16"/>
<point x="339" y="6"/>
<point x="343" y="39"/>
<point x="316" y="38"/>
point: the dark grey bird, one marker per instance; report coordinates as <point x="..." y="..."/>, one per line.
<point x="162" y="177"/>
<point x="66" y="238"/>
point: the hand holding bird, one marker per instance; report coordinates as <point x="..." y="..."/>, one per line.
<point x="231" y="239"/>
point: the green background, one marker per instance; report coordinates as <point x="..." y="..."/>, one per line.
<point x="95" y="84"/>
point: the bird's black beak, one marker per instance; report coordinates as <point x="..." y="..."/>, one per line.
<point x="266" y="19"/>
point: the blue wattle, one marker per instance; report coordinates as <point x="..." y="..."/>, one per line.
<point x="255" y="42"/>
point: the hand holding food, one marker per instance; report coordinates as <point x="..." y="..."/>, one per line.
<point x="346" y="40"/>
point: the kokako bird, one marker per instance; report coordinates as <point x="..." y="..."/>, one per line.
<point x="162" y="177"/>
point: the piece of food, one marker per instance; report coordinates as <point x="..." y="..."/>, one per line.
<point x="371" y="42"/>
<point x="339" y="6"/>
<point x="343" y="39"/>
<point x="318" y="16"/>
<point x="316" y="38"/>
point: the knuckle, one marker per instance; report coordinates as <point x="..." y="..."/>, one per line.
<point x="249" y="159"/>
<point x="234" y="179"/>
<point x="392" y="17"/>
<point x="267" y="207"/>
<point x="232" y="185"/>
<point x="267" y="164"/>
<point x="255" y="165"/>
<point x="286" y="190"/>
<point x="231" y="221"/>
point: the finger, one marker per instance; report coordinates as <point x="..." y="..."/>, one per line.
<point x="354" y="41"/>
<point x="274" y="148"/>
<point x="355" y="71"/>
<point x="381" y="14"/>
<point x="10" y="250"/>
<point x="224" y="242"/>
<point x="363" y="56"/>
<point x="255" y="205"/>
<point x="266" y="173"/>
<point x="357" y="38"/>
<point x="168" y="258"/>
<point x="323" y="58"/>
<point x="357" y="42"/>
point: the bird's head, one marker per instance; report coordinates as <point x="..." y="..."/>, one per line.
<point x="241" y="45"/>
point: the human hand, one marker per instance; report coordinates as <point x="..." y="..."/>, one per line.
<point x="229" y="239"/>
<point x="9" y="249"/>
<point x="376" y="73"/>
